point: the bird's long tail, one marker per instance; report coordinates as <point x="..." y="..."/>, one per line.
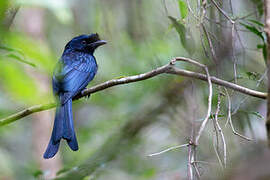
<point x="62" y="128"/>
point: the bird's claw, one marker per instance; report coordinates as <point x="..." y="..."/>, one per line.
<point x="87" y="96"/>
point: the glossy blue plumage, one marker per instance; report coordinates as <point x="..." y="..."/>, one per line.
<point x="76" y="68"/>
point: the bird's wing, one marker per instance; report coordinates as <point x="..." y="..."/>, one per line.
<point x="73" y="77"/>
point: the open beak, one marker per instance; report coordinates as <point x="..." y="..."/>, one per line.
<point x="98" y="43"/>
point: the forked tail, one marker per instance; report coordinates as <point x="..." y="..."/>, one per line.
<point x="62" y="128"/>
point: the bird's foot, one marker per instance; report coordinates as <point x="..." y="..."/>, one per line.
<point x="87" y="96"/>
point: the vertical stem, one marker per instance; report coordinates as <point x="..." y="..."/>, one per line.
<point x="190" y="159"/>
<point x="267" y="31"/>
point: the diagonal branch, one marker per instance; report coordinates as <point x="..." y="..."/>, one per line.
<point x="166" y="69"/>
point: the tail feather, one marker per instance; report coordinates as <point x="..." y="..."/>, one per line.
<point x="51" y="150"/>
<point x="68" y="127"/>
<point x="58" y="124"/>
<point x="69" y="134"/>
<point x="63" y="128"/>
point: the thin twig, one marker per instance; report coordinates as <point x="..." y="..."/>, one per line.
<point x="191" y="11"/>
<point x="261" y="78"/>
<point x="229" y="119"/>
<point x="216" y="146"/>
<point x="209" y="97"/>
<point x="210" y="44"/>
<point x="224" y="146"/>
<point x="218" y="81"/>
<point x="194" y="162"/>
<point x="203" y="45"/>
<point x="219" y="130"/>
<point x="209" y="107"/>
<point x="217" y="154"/>
<point x="223" y="142"/>
<point x="203" y="12"/>
<point x="233" y="47"/>
<point x="205" y="162"/>
<point x="245" y="98"/>
<point x="168" y="149"/>
<point x="233" y="55"/>
<point x="222" y="12"/>
<point x="192" y="151"/>
<point x="190" y="159"/>
<point x="237" y="108"/>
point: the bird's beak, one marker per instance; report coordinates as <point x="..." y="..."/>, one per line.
<point x="98" y="43"/>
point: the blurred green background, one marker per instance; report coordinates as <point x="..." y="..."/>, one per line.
<point x="140" y="38"/>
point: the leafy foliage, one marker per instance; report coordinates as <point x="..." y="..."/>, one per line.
<point x="258" y="31"/>
<point x="15" y="54"/>
<point x="183" y="8"/>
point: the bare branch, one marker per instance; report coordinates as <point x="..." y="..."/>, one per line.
<point x="229" y="120"/>
<point x="209" y="97"/>
<point x="26" y="112"/>
<point x="218" y="81"/>
<point x="168" y="149"/>
<point x="190" y="160"/>
<point x="217" y="153"/>
<point x="210" y="44"/>
<point x="233" y="55"/>
<point x="224" y="145"/>
<point x="219" y="130"/>
<point x="222" y="12"/>
<point x="169" y="69"/>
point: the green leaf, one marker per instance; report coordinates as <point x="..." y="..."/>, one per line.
<point x="37" y="173"/>
<point x="33" y="51"/>
<point x="10" y="49"/>
<point x="183" y="8"/>
<point x="253" y="29"/>
<point x="256" y="114"/>
<point x="212" y="116"/>
<point x="256" y="22"/>
<point x="185" y="35"/>
<point x="260" y="34"/>
<point x="18" y="83"/>
<point x="260" y="46"/>
<point x="13" y="56"/>
<point x="179" y="27"/>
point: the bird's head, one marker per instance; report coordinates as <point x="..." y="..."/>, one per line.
<point x="85" y="43"/>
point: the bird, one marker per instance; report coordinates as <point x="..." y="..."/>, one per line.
<point x="72" y="73"/>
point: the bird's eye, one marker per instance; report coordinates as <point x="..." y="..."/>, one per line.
<point x="83" y="42"/>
